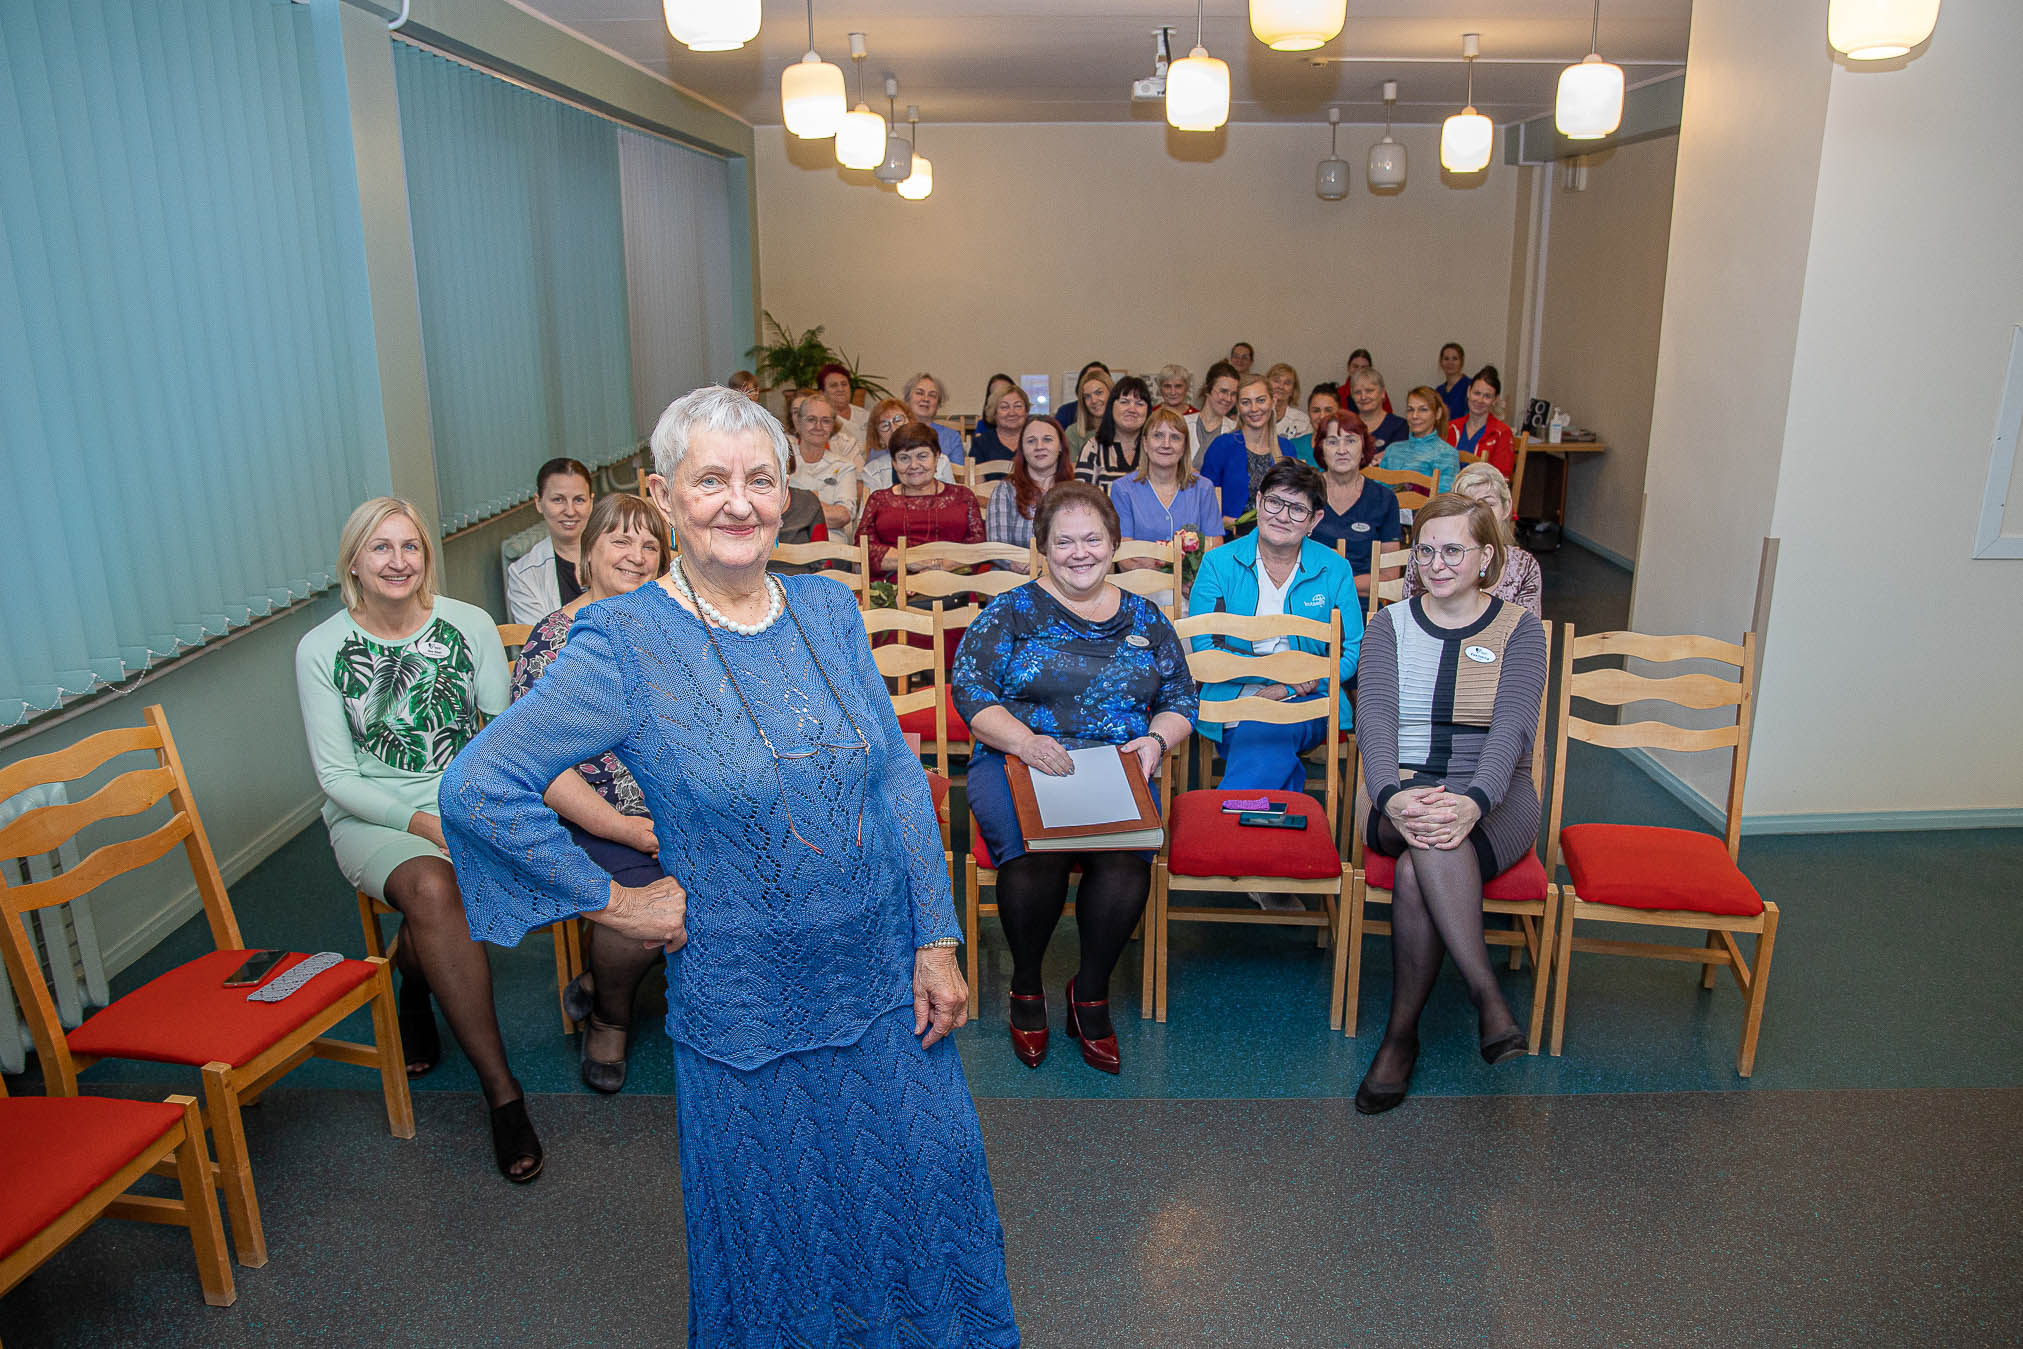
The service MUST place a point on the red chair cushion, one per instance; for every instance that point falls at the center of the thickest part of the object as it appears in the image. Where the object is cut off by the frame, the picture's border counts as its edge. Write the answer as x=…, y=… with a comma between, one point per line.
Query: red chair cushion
x=1206, y=842
x=977, y=849
x=1521, y=882
x=941, y=787
x=1642, y=867
x=921, y=722
x=55, y=1150
x=189, y=1016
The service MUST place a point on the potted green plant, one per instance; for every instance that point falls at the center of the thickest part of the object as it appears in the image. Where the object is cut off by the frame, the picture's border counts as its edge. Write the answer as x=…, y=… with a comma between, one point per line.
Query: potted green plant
x=789, y=361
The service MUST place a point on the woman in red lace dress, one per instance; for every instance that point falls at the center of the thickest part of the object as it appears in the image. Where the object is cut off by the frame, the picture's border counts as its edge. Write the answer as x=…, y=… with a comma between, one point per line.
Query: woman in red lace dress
x=917, y=507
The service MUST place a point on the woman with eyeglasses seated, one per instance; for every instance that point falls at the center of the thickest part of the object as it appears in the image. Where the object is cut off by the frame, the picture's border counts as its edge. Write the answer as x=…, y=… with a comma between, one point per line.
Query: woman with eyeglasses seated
x=1278, y=569
x=1521, y=583
x=1446, y=708
x=1357, y=512
x=888, y=416
x=1478, y=430
x=821, y=468
x=1066, y=662
x=1239, y=459
x=1426, y=449
x=918, y=507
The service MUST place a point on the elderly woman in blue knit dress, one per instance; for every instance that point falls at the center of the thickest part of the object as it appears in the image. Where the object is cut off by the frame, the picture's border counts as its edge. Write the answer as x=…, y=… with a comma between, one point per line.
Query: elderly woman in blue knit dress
x=833, y=1180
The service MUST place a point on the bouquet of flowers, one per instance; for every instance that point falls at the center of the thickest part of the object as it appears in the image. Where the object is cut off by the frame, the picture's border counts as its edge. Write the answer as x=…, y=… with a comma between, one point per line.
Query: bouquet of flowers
x=1191, y=545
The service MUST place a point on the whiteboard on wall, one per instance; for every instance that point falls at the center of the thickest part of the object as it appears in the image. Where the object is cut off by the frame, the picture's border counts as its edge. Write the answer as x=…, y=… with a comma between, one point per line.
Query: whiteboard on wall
x=2000, y=533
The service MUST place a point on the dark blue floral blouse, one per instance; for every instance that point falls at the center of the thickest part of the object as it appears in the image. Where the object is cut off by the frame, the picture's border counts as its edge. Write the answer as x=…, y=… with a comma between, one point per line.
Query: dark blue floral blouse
x=1082, y=683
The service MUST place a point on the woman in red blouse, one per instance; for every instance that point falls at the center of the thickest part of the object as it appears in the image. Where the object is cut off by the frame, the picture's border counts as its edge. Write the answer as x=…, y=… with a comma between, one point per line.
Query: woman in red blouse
x=917, y=507
x=1481, y=431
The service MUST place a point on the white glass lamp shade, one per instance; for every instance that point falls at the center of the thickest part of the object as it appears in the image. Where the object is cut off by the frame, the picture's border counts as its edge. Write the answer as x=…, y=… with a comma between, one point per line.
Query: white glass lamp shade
x=1331, y=179
x=1387, y=164
x=811, y=98
x=1590, y=103
x=1465, y=141
x=1197, y=92
x=860, y=140
x=712, y=25
x=1297, y=25
x=897, y=165
x=1876, y=30
x=920, y=182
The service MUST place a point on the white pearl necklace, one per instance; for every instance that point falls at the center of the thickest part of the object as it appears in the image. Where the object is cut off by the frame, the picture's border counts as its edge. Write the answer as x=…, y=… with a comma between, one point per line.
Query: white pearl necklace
x=775, y=592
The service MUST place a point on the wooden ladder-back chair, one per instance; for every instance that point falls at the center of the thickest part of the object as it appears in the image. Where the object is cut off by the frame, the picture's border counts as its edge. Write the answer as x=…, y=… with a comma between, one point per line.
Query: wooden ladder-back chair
x=1165, y=579
x=571, y=948
x=847, y=564
x=982, y=478
x=1649, y=876
x=1468, y=457
x=67, y=1161
x=903, y=663
x=1383, y=592
x=1413, y=489
x=978, y=581
x=185, y=1016
x=1523, y=890
x=1207, y=850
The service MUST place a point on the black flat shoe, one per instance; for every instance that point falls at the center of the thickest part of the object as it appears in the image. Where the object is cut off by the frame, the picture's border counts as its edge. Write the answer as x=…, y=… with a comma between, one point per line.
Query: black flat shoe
x=514, y=1141
x=578, y=998
x=1504, y=1048
x=420, y=1041
x=605, y=1075
x=1374, y=1098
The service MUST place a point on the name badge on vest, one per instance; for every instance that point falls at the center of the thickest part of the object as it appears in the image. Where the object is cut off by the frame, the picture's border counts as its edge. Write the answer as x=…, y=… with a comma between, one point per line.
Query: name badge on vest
x=430, y=647
x=1360, y=527
x=1481, y=655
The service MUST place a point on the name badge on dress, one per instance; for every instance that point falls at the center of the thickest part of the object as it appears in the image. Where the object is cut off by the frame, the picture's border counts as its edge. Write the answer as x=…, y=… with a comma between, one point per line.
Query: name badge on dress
x=1136, y=640
x=1481, y=655
x=1360, y=527
x=430, y=647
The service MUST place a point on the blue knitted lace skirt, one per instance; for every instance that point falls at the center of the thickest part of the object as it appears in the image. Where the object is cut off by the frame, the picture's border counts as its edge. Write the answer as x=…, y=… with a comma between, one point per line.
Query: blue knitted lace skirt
x=838, y=1196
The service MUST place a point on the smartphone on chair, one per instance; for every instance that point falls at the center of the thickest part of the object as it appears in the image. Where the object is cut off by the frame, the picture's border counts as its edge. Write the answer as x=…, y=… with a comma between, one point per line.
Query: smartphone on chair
x=259, y=964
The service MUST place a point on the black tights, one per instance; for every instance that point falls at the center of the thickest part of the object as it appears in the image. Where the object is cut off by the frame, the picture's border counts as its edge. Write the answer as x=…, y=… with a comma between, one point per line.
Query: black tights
x=1031, y=892
x=1436, y=910
x=617, y=965
x=438, y=955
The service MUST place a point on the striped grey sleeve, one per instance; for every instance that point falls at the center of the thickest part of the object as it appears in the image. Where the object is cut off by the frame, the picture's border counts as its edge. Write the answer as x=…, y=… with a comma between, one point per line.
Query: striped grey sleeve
x=1377, y=709
x=1514, y=720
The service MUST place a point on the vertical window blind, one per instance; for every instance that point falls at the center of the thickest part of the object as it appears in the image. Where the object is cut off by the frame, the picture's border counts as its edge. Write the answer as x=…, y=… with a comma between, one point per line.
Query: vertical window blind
x=188, y=392
x=679, y=270
x=519, y=245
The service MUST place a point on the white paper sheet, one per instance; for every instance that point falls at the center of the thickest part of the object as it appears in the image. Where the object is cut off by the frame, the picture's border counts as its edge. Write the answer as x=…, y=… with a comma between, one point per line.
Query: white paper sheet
x=1097, y=792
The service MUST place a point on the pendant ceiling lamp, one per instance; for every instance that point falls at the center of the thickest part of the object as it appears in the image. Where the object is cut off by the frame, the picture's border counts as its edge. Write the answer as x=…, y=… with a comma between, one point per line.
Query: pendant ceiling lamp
x=712, y=25
x=898, y=162
x=1467, y=137
x=860, y=136
x=920, y=182
x=1876, y=30
x=1197, y=87
x=1590, y=103
x=1386, y=169
x=811, y=92
x=1297, y=25
x=1331, y=179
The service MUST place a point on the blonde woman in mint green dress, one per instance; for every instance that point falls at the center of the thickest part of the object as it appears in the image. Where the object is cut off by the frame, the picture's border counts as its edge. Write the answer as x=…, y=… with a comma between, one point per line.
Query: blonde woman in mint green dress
x=392, y=689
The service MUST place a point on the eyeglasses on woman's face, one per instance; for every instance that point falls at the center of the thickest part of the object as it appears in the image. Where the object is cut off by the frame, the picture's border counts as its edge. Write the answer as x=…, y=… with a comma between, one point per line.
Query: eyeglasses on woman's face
x=1449, y=555
x=1295, y=511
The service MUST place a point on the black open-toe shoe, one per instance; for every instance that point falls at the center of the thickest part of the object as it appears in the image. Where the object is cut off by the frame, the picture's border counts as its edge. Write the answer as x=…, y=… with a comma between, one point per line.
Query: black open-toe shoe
x=420, y=1041
x=514, y=1141
x=605, y=1075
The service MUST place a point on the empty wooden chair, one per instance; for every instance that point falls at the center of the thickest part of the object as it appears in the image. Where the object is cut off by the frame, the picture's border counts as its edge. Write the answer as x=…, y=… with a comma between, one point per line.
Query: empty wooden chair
x=844, y=563
x=1413, y=489
x=1650, y=876
x=185, y=1016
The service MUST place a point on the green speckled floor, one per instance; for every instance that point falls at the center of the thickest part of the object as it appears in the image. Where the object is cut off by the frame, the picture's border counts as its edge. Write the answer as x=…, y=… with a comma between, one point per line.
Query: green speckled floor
x=1860, y=1188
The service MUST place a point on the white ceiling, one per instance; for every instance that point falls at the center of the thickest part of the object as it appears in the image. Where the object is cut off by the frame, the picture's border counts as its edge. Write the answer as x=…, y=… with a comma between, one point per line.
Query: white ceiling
x=1074, y=60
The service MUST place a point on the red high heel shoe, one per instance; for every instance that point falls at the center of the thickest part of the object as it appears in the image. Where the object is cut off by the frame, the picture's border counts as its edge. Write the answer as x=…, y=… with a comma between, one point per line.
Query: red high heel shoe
x=1030, y=1045
x=1099, y=1052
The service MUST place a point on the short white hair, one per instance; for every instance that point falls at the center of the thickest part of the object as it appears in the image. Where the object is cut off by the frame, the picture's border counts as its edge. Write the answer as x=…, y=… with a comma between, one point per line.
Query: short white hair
x=1482, y=473
x=1175, y=371
x=906, y=389
x=712, y=408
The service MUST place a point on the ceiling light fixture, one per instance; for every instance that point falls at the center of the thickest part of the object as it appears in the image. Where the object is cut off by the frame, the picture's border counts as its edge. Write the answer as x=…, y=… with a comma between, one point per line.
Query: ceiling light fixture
x=1297, y=25
x=1876, y=30
x=1386, y=169
x=1590, y=103
x=860, y=137
x=920, y=182
x=1331, y=179
x=812, y=102
x=1197, y=87
x=898, y=161
x=712, y=25
x=1467, y=137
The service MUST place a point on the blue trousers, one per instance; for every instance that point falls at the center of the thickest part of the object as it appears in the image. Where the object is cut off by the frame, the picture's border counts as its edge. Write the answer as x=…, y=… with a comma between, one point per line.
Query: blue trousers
x=1259, y=755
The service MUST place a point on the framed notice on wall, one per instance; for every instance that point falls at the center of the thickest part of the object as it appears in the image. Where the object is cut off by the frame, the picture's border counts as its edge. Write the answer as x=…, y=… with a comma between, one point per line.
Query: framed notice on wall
x=2000, y=532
